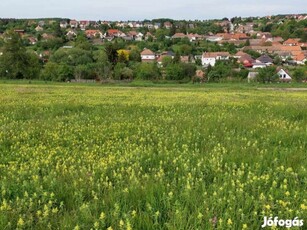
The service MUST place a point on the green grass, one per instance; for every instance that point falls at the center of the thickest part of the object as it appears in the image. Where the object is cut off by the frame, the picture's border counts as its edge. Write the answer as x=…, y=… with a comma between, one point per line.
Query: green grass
x=156, y=157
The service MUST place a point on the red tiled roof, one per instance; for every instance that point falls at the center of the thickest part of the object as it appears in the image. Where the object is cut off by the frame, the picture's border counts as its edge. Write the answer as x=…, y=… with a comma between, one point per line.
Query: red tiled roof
x=290, y=41
x=291, y=48
x=113, y=31
x=90, y=32
x=300, y=57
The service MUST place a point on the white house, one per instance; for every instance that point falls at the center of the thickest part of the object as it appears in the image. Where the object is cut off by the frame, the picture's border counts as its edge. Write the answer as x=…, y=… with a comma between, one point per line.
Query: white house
x=214, y=38
x=71, y=34
x=210, y=58
x=147, y=55
x=139, y=37
x=284, y=75
x=63, y=24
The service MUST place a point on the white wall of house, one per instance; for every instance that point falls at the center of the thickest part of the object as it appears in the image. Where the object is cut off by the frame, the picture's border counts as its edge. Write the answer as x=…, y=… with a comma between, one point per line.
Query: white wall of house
x=148, y=57
x=212, y=60
x=283, y=75
x=259, y=65
x=301, y=62
x=208, y=61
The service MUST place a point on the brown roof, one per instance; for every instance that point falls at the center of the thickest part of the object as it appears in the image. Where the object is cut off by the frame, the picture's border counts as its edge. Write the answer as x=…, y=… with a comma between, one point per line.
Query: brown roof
x=147, y=52
x=133, y=33
x=179, y=35
x=291, y=48
x=215, y=54
x=184, y=59
x=299, y=57
x=290, y=41
x=240, y=53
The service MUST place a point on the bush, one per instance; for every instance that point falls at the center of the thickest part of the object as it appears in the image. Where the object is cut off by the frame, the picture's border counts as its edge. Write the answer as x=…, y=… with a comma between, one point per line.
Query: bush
x=148, y=71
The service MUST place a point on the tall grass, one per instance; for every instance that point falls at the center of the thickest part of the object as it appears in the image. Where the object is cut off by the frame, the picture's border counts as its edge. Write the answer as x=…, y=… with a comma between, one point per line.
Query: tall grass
x=150, y=158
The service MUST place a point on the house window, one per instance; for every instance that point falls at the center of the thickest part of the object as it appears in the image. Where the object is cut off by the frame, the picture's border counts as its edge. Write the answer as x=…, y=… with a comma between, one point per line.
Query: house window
x=284, y=75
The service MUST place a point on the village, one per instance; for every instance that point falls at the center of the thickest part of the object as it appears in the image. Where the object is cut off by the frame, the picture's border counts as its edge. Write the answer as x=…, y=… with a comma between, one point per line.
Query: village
x=250, y=44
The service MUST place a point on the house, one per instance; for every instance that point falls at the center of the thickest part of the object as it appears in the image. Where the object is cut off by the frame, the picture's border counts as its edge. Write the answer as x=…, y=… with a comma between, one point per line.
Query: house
x=149, y=25
x=163, y=55
x=291, y=42
x=264, y=35
x=148, y=56
x=63, y=24
x=32, y=40
x=84, y=24
x=139, y=37
x=93, y=34
x=252, y=76
x=214, y=38
x=73, y=24
x=157, y=25
x=245, y=59
x=185, y=59
x=46, y=36
x=168, y=25
x=194, y=37
x=115, y=33
x=257, y=65
x=210, y=58
x=148, y=35
x=284, y=76
x=300, y=59
x=71, y=34
x=20, y=32
x=284, y=55
x=39, y=28
x=41, y=23
x=265, y=59
x=248, y=28
x=179, y=36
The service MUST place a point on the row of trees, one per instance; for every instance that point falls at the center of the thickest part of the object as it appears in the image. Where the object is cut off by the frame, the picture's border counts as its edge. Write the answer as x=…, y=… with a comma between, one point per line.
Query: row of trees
x=82, y=62
x=109, y=62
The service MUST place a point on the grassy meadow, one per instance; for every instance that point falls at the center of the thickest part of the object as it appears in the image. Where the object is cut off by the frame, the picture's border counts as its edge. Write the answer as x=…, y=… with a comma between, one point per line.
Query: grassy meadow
x=94, y=157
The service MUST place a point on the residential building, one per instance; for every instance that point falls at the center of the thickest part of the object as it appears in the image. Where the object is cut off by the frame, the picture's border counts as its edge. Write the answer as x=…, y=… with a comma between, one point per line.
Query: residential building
x=210, y=58
x=148, y=56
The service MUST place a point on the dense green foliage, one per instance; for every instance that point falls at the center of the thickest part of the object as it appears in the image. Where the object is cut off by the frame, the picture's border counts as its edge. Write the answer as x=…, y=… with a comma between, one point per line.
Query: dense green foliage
x=82, y=157
x=16, y=62
x=46, y=51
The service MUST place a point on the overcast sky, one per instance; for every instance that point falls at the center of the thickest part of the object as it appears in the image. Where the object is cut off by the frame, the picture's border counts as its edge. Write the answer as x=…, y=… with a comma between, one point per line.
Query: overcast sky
x=139, y=10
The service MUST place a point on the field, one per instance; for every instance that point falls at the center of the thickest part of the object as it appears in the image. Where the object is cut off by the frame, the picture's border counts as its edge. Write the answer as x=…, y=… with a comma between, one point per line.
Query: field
x=82, y=157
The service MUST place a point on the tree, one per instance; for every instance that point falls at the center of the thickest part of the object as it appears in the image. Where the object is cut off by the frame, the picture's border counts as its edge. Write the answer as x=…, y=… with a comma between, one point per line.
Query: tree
x=267, y=74
x=148, y=71
x=111, y=51
x=122, y=72
x=123, y=56
x=83, y=43
x=84, y=72
x=72, y=57
x=16, y=62
x=174, y=71
x=57, y=72
x=299, y=74
x=135, y=55
x=176, y=58
x=166, y=60
x=103, y=67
